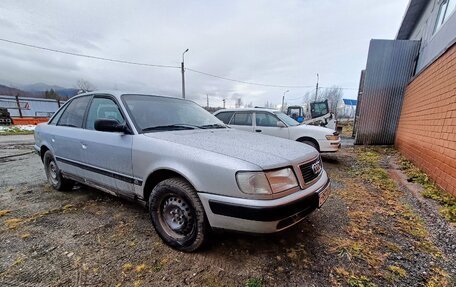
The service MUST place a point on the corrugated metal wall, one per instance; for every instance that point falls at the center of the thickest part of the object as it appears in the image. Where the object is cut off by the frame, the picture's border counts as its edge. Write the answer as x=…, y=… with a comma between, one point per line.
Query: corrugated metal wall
x=390, y=65
x=360, y=98
x=30, y=107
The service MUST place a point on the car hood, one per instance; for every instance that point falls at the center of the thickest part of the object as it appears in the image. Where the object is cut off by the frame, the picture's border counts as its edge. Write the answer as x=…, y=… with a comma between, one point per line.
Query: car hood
x=264, y=151
x=317, y=129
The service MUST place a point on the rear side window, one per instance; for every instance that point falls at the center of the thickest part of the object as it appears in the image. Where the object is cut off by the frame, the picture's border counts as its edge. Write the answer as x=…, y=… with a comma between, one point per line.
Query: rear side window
x=225, y=117
x=73, y=116
x=103, y=108
x=242, y=119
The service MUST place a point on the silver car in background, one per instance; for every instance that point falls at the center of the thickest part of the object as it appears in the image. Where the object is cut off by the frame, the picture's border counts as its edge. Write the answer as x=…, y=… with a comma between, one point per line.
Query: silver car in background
x=190, y=170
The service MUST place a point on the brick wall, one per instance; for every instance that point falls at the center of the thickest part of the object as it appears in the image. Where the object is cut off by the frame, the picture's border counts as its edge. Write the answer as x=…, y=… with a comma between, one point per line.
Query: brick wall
x=427, y=127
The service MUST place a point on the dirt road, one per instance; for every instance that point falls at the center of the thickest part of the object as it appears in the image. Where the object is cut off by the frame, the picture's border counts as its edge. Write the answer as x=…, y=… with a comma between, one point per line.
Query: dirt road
x=371, y=232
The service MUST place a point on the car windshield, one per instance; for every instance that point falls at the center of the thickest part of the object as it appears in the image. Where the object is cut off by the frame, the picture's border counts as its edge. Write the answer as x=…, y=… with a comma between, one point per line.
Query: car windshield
x=154, y=114
x=286, y=119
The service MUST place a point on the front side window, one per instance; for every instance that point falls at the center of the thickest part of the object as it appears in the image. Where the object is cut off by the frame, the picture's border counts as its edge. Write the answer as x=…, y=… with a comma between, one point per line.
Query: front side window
x=156, y=114
x=266, y=120
x=73, y=115
x=242, y=119
x=225, y=116
x=445, y=10
x=57, y=116
x=286, y=119
x=103, y=108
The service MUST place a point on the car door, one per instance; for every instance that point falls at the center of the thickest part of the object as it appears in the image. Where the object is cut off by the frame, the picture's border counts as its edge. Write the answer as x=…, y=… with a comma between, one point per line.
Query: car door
x=108, y=154
x=268, y=124
x=66, y=136
x=242, y=121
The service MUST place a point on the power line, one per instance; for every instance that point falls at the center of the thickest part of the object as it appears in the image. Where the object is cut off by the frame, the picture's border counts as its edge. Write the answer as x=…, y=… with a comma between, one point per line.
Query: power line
x=245, y=82
x=159, y=66
x=88, y=56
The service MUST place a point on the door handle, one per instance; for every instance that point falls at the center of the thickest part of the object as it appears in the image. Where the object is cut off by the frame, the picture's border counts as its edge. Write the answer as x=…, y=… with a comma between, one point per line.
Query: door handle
x=258, y=131
x=83, y=146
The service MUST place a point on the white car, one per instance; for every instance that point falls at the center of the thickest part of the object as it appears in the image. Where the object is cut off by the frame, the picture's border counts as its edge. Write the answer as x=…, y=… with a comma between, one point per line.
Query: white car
x=275, y=123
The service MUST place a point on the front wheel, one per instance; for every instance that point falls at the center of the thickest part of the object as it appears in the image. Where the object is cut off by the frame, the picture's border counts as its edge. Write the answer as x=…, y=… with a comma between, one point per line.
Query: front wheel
x=178, y=215
x=311, y=143
x=54, y=175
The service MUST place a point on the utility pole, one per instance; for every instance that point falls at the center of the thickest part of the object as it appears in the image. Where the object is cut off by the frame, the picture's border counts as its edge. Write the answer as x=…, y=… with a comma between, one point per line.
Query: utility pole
x=207, y=99
x=223, y=103
x=283, y=99
x=183, y=74
x=316, y=89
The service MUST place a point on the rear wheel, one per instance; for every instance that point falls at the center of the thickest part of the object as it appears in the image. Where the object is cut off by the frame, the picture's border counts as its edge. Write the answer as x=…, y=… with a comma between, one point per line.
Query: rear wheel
x=54, y=175
x=178, y=215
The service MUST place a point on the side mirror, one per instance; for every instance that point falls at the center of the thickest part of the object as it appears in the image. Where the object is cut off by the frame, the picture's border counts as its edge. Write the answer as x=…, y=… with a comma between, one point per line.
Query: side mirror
x=281, y=125
x=109, y=125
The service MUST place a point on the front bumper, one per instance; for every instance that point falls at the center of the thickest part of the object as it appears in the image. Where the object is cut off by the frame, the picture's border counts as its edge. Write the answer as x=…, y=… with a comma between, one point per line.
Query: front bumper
x=329, y=146
x=263, y=216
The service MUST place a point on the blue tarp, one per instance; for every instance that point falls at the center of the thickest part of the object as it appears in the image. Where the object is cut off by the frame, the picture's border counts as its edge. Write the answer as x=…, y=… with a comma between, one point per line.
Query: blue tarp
x=350, y=102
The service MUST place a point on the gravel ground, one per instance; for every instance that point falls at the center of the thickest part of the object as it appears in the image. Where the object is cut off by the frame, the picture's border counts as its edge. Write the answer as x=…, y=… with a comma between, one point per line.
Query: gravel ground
x=363, y=236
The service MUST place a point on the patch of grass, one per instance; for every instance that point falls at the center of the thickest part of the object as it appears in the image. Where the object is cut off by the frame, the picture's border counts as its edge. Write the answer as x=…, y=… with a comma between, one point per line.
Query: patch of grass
x=393, y=247
x=347, y=128
x=157, y=267
x=430, y=190
x=439, y=278
x=15, y=131
x=361, y=281
x=13, y=222
x=211, y=280
x=397, y=270
x=140, y=268
x=127, y=267
x=254, y=282
x=25, y=235
x=4, y=212
x=341, y=271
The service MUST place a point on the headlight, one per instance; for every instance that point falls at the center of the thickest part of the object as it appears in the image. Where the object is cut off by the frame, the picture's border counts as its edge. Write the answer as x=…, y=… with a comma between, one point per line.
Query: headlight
x=282, y=179
x=266, y=182
x=332, y=138
x=253, y=182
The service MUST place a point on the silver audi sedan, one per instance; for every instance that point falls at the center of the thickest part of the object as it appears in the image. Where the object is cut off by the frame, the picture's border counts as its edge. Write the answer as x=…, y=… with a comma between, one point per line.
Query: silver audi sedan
x=191, y=171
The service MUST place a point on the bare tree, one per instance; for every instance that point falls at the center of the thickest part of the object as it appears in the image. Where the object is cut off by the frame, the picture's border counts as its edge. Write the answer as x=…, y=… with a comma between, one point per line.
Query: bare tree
x=238, y=102
x=84, y=86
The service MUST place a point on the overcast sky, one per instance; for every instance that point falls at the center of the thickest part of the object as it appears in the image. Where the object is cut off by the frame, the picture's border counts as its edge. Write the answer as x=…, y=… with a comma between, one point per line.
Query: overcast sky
x=271, y=42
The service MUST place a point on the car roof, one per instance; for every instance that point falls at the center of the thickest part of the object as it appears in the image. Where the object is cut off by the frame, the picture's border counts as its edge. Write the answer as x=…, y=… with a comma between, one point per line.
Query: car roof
x=118, y=94
x=248, y=110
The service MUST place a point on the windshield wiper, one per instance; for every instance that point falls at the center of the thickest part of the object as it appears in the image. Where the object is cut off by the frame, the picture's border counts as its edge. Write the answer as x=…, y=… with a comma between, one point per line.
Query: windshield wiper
x=213, y=126
x=170, y=127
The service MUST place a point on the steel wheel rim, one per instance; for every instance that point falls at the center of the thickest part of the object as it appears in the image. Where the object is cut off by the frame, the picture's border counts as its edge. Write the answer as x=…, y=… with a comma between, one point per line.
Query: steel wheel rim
x=176, y=216
x=52, y=173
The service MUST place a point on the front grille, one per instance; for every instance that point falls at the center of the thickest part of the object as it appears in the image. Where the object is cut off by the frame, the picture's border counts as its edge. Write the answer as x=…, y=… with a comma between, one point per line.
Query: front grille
x=307, y=172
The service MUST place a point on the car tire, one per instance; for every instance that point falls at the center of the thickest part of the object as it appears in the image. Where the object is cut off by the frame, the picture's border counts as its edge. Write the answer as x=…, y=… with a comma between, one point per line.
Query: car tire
x=178, y=215
x=312, y=144
x=53, y=174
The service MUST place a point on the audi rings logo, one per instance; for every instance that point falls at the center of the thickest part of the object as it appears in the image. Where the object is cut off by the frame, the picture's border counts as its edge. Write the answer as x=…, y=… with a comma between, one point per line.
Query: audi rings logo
x=316, y=167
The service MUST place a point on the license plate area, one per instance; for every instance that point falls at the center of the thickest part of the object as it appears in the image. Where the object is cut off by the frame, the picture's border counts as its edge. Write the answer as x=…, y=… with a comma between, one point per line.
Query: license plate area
x=323, y=196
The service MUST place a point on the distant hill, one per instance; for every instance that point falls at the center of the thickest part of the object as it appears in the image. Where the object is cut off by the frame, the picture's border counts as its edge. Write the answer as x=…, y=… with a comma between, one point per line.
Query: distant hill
x=39, y=87
x=5, y=90
x=37, y=90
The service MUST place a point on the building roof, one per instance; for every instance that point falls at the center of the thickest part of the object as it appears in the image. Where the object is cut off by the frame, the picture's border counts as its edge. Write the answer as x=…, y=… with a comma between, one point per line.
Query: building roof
x=350, y=102
x=412, y=15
